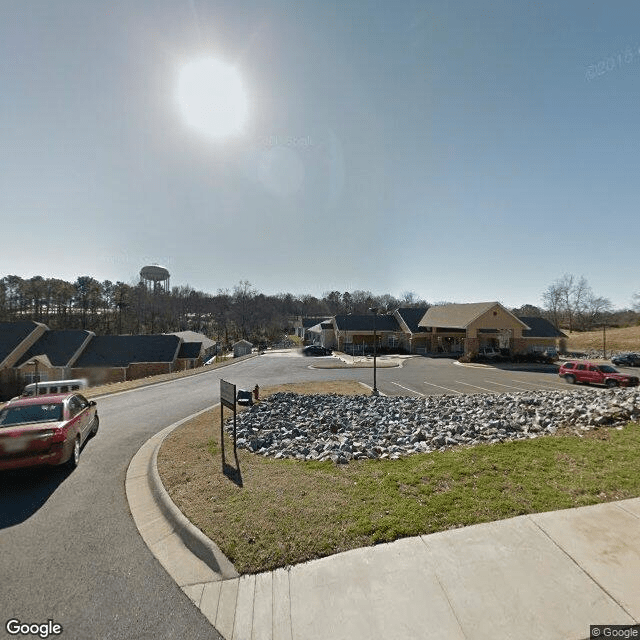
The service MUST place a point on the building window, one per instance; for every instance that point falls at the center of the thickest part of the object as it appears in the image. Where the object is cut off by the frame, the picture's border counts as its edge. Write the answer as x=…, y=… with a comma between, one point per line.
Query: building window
x=392, y=341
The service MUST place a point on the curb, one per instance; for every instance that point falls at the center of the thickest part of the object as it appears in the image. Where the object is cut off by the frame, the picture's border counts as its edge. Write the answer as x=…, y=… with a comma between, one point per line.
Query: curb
x=168, y=534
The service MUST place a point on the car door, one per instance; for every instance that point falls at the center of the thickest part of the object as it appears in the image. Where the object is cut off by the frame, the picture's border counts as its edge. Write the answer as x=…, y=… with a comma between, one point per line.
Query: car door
x=78, y=417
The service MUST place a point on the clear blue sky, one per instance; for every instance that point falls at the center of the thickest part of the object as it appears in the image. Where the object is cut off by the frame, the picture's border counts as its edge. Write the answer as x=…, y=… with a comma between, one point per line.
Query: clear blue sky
x=463, y=150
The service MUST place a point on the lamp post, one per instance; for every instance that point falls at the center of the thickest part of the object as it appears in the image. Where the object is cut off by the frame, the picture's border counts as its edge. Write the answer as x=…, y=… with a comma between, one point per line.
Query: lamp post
x=375, y=310
x=34, y=362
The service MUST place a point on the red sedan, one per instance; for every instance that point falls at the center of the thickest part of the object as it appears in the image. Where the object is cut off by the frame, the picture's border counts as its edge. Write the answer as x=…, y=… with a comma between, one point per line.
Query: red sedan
x=46, y=430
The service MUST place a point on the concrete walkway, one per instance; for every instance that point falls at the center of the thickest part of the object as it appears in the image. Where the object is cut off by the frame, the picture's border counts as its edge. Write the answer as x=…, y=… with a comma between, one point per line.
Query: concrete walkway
x=544, y=576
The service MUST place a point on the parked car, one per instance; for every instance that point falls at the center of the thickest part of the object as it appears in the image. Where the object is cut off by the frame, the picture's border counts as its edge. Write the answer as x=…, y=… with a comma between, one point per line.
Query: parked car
x=46, y=430
x=489, y=353
x=592, y=373
x=244, y=397
x=627, y=359
x=316, y=350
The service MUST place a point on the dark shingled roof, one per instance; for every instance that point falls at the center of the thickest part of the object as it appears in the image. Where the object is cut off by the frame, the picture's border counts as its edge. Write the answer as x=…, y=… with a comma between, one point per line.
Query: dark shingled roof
x=540, y=328
x=58, y=346
x=411, y=317
x=365, y=323
x=190, y=350
x=12, y=334
x=121, y=351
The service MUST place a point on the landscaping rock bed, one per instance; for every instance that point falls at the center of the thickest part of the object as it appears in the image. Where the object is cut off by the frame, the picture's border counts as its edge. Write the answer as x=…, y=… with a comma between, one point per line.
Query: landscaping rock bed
x=343, y=428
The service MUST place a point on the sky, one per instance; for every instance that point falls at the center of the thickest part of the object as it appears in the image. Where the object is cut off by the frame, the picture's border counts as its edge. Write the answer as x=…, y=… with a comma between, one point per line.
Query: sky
x=465, y=151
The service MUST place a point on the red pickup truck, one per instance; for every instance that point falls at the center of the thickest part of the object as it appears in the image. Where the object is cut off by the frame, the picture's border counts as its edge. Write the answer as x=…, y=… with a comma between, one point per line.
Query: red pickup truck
x=591, y=373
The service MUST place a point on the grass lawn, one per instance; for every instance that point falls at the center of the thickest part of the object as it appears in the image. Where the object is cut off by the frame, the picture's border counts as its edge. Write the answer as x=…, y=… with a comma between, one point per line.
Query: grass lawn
x=285, y=511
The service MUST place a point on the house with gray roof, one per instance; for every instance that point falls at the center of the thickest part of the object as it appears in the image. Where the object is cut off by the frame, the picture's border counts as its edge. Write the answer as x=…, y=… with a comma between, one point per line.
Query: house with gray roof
x=16, y=338
x=416, y=339
x=55, y=352
x=355, y=333
x=541, y=334
x=118, y=358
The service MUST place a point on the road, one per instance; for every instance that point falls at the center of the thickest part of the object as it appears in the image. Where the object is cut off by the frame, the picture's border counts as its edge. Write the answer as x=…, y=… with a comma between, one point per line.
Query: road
x=70, y=550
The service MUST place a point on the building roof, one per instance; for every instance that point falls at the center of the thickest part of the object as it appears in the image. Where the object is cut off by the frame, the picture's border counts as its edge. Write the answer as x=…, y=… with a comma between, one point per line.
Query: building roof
x=364, y=322
x=242, y=342
x=58, y=346
x=459, y=316
x=411, y=316
x=194, y=336
x=12, y=334
x=540, y=328
x=312, y=322
x=121, y=351
x=190, y=350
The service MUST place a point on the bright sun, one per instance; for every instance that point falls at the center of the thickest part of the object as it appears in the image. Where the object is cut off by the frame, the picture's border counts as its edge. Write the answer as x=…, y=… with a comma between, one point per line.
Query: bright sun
x=212, y=98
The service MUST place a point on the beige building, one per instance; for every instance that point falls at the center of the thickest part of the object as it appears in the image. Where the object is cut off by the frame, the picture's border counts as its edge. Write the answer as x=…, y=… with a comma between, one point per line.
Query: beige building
x=467, y=328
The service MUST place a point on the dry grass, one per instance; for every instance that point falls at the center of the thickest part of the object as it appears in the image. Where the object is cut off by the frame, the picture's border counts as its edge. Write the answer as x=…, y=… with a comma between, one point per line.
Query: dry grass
x=622, y=339
x=279, y=512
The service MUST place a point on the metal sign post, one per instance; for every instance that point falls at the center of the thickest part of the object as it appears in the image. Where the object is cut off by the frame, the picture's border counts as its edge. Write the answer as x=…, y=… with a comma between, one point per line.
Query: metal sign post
x=227, y=399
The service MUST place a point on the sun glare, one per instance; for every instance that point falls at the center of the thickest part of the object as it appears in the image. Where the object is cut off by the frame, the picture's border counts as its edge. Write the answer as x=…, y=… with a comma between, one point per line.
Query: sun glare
x=212, y=98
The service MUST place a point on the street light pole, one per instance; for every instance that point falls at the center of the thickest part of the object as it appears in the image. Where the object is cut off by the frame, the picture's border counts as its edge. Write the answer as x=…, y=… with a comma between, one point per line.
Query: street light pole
x=374, y=310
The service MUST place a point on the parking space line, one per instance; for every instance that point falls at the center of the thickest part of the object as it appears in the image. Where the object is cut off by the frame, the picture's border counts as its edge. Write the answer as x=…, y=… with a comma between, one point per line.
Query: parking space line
x=445, y=388
x=509, y=386
x=554, y=385
x=477, y=387
x=407, y=388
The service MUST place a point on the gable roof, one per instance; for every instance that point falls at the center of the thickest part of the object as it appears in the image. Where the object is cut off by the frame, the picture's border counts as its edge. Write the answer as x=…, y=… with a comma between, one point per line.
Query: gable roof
x=244, y=342
x=58, y=346
x=12, y=334
x=460, y=316
x=364, y=322
x=312, y=322
x=121, y=351
x=540, y=328
x=194, y=336
x=190, y=350
x=411, y=316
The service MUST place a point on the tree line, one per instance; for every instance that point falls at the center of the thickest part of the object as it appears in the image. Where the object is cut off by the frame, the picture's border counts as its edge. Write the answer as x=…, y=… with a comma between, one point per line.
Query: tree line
x=244, y=312
x=226, y=316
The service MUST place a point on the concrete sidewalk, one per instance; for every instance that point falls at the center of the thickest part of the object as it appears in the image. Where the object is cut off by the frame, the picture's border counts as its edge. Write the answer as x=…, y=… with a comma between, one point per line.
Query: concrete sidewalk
x=544, y=576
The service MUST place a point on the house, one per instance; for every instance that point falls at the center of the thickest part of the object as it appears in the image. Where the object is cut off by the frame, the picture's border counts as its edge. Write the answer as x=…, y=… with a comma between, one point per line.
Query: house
x=190, y=356
x=302, y=327
x=15, y=339
x=322, y=334
x=354, y=333
x=467, y=328
x=118, y=358
x=55, y=352
x=541, y=334
x=241, y=348
x=416, y=339
x=209, y=347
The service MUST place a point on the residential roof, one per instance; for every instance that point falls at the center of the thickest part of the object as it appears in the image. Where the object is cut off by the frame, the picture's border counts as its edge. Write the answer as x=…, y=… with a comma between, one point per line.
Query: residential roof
x=190, y=350
x=411, y=316
x=194, y=336
x=12, y=334
x=540, y=328
x=245, y=342
x=458, y=316
x=364, y=322
x=58, y=346
x=121, y=351
x=311, y=322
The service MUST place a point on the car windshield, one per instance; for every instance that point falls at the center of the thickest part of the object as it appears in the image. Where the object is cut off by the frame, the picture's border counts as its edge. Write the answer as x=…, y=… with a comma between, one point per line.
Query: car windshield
x=51, y=412
x=605, y=368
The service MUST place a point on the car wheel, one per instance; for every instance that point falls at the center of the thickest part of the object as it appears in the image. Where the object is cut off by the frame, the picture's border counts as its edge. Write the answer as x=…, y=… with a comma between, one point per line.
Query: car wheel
x=611, y=383
x=94, y=431
x=72, y=462
x=570, y=379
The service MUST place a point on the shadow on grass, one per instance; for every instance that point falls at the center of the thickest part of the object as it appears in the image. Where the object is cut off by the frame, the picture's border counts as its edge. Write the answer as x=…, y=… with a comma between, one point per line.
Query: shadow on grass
x=233, y=473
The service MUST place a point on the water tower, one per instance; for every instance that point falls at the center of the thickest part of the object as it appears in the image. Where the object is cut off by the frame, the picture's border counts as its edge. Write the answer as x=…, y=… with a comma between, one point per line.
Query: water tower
x=155, y=278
